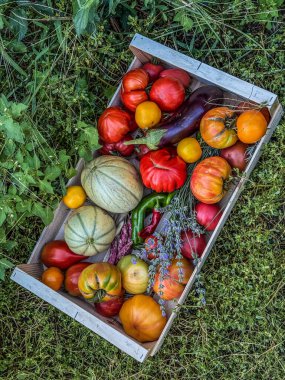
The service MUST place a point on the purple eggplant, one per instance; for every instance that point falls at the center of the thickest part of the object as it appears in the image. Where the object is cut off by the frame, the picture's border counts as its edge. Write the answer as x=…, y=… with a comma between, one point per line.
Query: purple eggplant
x=187, y=121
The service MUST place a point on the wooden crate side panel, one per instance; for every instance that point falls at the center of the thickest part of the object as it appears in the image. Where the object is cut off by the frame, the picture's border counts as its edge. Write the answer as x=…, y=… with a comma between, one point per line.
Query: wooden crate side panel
x=144, y=48
x=66, y=304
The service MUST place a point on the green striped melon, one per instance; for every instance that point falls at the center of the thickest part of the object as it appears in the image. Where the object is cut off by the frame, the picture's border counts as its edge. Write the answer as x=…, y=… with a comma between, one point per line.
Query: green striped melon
x=112, y=183
x=89, y=230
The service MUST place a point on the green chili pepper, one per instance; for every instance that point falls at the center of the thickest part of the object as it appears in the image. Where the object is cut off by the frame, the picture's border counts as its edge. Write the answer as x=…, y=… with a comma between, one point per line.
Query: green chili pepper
x=147, y=204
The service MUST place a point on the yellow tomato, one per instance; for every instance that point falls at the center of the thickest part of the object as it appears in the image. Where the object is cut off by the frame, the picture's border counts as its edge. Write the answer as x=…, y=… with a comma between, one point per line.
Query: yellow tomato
x=75, y=197
x=189, y=150
x=147, y=115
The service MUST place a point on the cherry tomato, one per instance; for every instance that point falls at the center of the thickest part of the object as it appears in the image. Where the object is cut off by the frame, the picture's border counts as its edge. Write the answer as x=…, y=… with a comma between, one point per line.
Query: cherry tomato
x=53, y=277
x=75, y=197
x=189, y=150
x=150, y=245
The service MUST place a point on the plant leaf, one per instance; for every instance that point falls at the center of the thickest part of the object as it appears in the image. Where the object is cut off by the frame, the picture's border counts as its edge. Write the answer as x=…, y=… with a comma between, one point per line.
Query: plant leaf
x=12, y=129
x=81, y=20
x=46, y=186
x=52, y=172
x=19, y=22
x=45, y=213
x=4, y=265
x=2, y=216
x=17, y=109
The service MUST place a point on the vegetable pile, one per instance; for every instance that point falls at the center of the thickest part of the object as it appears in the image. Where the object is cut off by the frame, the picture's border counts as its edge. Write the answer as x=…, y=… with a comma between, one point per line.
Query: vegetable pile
x=163, y=152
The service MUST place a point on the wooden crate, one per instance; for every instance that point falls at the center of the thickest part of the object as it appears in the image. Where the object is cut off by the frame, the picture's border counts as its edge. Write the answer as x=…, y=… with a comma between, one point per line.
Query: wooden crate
x=28, y=275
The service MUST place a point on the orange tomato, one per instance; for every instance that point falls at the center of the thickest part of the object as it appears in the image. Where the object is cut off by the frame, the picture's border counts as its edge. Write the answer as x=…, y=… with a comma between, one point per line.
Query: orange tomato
x=141, y=318
x=172, y=284
x=147, y=115
x=251, y=126
x=207, y=181
x=53, y=277
x=213, y=128
x=75, y=197
x=189, y=150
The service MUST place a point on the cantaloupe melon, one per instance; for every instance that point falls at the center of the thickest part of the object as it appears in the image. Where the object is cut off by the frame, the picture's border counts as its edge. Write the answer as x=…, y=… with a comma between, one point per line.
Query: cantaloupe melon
x=112, y=183
x=89, y=230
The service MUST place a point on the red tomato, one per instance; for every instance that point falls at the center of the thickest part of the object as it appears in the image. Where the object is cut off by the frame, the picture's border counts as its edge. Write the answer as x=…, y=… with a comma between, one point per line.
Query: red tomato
x=208, y=216
x=114, y=124
x=162, y=170
x=110, y=308
x=133, y=98
x=168, y=93
x=141, y=150
x=150, y=245
x=136, y=79
x=57, y=254
x=133, y=88
x=152, y=70
x=236, y=155
x=119, y=147
x=71, y=278
x=179, y=74
x=192, y=244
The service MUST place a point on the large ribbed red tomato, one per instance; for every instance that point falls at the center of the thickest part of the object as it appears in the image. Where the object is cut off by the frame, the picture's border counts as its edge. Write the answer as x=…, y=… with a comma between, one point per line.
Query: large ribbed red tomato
x=168, y=93
x=162, y=170
x=114, y=124
x=207, y=181
x=133, y=88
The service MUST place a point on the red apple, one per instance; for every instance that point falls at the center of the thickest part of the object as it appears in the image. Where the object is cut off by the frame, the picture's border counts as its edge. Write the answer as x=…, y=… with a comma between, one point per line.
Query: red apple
x=110, y=308
x=208, y=216
x=192, y=245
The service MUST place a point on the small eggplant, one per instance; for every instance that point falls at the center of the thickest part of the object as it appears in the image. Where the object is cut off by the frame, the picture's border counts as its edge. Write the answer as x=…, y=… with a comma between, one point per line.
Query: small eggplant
x=191, y=112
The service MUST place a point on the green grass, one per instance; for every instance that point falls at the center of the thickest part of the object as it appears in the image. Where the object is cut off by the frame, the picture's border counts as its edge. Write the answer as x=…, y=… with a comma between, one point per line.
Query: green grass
x=240, y=333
